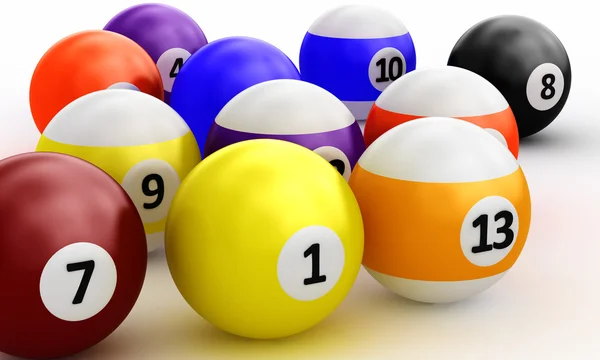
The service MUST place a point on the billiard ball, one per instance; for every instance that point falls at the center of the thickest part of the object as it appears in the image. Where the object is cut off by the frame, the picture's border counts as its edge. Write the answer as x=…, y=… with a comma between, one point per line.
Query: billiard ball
x=444, y=91
x=355, y=52
x=295, y=111
x=169, y=35
x=264, y=239
x=525, y=61
x=86, y=62
x=446, y=209
x=72, y=255
x=137, y=139
x=220, y=70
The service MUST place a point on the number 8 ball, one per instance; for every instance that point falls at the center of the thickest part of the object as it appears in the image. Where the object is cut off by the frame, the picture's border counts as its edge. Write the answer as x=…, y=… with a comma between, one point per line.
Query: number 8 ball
x=525, y=61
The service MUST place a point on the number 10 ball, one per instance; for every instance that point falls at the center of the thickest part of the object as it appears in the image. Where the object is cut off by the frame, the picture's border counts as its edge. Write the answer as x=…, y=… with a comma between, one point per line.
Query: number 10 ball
x=137, y=139
x=355, y=52
x=264, y=238
x=446, y=209
x=525, y=61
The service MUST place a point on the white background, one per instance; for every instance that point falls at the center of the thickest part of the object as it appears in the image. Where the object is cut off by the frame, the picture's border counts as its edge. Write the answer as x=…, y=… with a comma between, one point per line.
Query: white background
x=547, y=307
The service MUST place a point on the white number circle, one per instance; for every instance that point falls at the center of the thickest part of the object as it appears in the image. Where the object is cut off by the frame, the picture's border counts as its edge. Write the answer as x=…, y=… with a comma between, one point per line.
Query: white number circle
x=123, y=85
x=169, y=64
x=310, y=263
x=489, y=231
x=545, y=86
x=387, y=65
x=78, y=281
x=498, y=135
x=337, y=159
x=151, y=184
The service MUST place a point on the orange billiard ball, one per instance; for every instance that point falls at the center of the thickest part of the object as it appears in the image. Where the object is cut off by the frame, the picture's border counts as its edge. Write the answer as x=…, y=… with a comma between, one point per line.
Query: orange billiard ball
x=446, y=209
x=444, y=91
x=86, y=62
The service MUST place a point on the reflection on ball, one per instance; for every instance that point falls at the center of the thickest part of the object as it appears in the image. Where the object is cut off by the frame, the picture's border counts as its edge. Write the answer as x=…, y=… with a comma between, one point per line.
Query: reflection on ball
x=264, y=239
x=446, y=209
x=136, y=138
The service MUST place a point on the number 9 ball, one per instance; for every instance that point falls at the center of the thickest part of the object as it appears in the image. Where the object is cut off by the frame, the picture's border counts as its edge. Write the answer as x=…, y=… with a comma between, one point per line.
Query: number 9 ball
x=72, y=255
x=525, y=61
x=137, y=139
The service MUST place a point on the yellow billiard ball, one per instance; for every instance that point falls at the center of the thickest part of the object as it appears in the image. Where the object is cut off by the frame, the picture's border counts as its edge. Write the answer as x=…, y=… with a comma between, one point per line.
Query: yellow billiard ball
x=264, y=239
x=134, y=137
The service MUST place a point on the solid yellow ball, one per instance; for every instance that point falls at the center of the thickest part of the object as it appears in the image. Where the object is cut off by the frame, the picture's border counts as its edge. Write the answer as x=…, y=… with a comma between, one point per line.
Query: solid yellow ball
x=264, y=239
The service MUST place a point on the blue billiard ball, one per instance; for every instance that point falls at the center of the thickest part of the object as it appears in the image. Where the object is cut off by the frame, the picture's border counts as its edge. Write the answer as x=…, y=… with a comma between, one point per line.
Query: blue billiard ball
x=355, y=52
x=219, y=71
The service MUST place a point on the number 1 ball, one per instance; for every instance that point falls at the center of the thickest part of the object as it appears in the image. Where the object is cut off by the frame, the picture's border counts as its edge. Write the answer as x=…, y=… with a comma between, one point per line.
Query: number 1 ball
x=525, y=61
x=137, y=139
x=446, y=209
x=72, y=255
x=169, y=35
x=264, y=239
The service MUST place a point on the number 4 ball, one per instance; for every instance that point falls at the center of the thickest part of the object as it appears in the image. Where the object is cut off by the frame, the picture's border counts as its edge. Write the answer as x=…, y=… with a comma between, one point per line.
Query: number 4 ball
x=446, y=209
x=525, y=61
x=72, y=255
x=169, y=35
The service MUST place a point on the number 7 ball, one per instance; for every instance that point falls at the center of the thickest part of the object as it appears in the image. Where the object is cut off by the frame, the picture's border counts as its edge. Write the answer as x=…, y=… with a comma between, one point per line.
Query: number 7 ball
x=72, y=255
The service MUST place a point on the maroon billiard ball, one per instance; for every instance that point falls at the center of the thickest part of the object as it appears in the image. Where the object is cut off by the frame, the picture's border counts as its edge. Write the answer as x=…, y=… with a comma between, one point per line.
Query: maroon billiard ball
x=72, y=255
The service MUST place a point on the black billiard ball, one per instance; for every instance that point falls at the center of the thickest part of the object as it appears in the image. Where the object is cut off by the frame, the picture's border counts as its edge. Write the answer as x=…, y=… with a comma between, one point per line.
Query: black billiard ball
x=525, y=60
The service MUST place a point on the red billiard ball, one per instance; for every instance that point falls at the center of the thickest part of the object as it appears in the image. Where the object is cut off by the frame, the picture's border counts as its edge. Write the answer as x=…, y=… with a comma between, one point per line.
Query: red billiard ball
x=72, y=255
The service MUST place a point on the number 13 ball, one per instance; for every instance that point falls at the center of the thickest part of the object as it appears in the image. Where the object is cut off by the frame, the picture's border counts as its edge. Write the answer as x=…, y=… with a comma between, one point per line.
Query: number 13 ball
x=525, y=61
x=446, y=209
x=72, y=255
x=355, y=52
x=264, y=238
x=137, y=139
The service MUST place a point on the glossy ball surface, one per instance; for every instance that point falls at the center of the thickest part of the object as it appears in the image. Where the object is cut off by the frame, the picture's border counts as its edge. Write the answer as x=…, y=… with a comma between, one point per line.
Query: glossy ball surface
x=85, y=62
x=219, y=71
x=525, y=60
x=72, y=255
x=444, y=91
x=137, y=139
x=264, y=239
x=169, y=35
x=446, y=209
x=355, y=52
x=294, y=111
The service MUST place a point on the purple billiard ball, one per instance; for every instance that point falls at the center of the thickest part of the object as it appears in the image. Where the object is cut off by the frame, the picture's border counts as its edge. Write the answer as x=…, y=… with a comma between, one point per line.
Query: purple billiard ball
x=169, y=35
x=294, y=111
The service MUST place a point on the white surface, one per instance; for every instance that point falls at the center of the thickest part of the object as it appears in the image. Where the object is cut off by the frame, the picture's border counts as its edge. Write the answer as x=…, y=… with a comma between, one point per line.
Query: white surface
x=357, y=22
x=442, y=91
x=116, y=117
x=464, y=153
x=546, y=307
x=285, y=107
